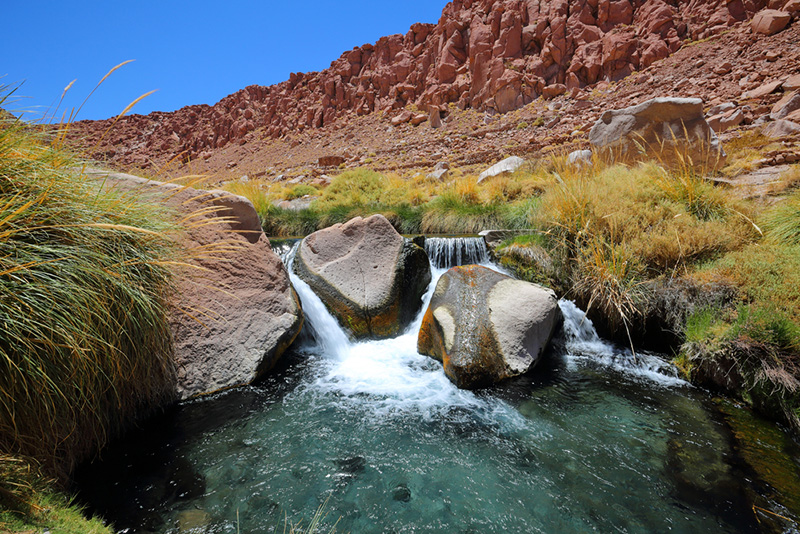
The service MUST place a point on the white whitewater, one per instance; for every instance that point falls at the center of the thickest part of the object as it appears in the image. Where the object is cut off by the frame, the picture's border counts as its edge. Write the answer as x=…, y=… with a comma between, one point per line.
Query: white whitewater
x=446, y=252
x=582, y=344
x=392, y=378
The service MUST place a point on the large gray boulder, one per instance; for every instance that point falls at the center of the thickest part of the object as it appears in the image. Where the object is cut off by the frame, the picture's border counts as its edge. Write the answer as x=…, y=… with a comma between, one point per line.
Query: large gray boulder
x=485, y=326
x=234, y=311
x=506, y=166
x=661, y=128
x=368, y=275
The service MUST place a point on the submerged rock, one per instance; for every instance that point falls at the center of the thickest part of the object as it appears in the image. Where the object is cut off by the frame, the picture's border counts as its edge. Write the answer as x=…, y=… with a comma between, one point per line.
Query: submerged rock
x=485, y=326
x=234, y=317
x=368, y=275
x=660, y=127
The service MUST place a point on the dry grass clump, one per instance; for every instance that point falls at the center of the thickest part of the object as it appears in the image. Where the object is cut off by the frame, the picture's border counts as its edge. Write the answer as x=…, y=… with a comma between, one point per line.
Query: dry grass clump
x=665, y=221
x=84, y=281
x=782, y=223
x=611, y=228
x=745, y=150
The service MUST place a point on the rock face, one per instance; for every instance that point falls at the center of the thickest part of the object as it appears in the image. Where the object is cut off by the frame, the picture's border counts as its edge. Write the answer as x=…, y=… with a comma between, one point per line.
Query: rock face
x=489, y=55
x=770, y=21
x=780, y=128
x=660, y=121
x=485, y=326
x=234, y=317
x=368, y=275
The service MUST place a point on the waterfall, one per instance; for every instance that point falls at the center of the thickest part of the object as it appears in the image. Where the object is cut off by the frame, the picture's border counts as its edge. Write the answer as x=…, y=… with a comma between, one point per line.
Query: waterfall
x=387, y=376
x=329, y=337
x=446, y=252
x=395, y=377
x=583, y=345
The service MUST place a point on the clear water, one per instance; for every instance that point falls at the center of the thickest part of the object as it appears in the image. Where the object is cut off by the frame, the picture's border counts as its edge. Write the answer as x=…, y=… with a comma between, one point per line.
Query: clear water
x=595, y=440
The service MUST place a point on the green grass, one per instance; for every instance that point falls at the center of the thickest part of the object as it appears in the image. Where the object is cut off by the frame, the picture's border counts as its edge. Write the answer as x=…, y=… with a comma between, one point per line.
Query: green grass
x=411, y=206
x=300, y=191
x=29, y=502
x=782, y=223
x=85, y=278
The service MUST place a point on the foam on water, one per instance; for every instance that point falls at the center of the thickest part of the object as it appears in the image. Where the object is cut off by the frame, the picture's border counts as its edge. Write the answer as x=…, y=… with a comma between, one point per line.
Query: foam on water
x=583, y=345
x=388, y=376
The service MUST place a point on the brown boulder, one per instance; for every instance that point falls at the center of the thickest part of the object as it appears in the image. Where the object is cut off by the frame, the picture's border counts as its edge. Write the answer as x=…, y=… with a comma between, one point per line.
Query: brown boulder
x=656, y=128
x=770, y=21
x=402, y=118
x=418, y=119
x=552, y=91
x=780, y=128
x=331, y=161
x=763, y=90
x=236, y=312
x=485, y=326
x=724, y=121
x=785, y=106
x=368, y=275
x=792, y=83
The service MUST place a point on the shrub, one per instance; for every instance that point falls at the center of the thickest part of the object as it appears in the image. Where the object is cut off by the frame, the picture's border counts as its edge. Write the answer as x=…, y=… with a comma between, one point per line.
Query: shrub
x=782, y=223
x=299, y=191
x=84, y=282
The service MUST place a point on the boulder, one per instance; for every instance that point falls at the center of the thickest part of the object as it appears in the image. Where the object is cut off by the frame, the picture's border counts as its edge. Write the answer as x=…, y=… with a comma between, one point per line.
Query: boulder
x=780, y=128
x=435, y=117
x=723, y=121
x=438, y=174
x=331, y=161
x=402, y=118
x=792, y=83
x=580, y=157
x=656, y=126
x=235, y=311
x=485, y=326
x=506, y=166
x=552, y=91
x=770, y=21
x=763, y=90
x=785, y=106
x=368, y=275
x=418, y=119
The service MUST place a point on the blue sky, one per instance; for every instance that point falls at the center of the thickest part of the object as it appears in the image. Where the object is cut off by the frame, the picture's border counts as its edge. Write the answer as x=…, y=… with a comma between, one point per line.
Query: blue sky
x=193, y=53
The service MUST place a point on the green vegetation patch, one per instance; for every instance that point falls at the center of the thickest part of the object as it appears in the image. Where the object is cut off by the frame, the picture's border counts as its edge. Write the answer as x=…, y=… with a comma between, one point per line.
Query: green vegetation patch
x=85, y=276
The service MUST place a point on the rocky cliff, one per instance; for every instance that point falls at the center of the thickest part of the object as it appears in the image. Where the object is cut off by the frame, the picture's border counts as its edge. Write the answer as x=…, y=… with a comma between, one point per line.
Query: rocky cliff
x=489, y=55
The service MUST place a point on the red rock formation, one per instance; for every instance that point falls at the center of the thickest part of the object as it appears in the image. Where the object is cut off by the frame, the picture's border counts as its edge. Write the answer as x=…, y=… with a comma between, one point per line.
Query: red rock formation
x=490, y=55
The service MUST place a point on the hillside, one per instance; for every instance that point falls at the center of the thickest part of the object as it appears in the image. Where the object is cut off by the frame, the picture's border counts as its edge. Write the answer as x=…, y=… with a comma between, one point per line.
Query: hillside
x=505, y=77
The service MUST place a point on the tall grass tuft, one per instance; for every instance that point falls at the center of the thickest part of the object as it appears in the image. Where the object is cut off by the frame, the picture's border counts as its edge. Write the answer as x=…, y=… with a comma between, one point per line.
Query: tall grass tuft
x=782, y=223
x=84, y=283
x=613, y=227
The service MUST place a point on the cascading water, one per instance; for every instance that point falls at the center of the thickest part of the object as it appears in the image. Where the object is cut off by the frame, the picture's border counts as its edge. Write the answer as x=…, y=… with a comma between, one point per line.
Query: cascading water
x=376, y=433
x=396, y=378
x=582, y=344
x=446, y=252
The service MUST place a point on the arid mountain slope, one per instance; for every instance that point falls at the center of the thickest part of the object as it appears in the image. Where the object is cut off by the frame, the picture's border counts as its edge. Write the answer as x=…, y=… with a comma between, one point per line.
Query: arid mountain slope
x=483, y=59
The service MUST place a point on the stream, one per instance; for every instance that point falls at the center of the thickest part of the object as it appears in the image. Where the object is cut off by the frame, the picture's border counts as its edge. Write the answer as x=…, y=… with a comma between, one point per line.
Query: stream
x=595, y=439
